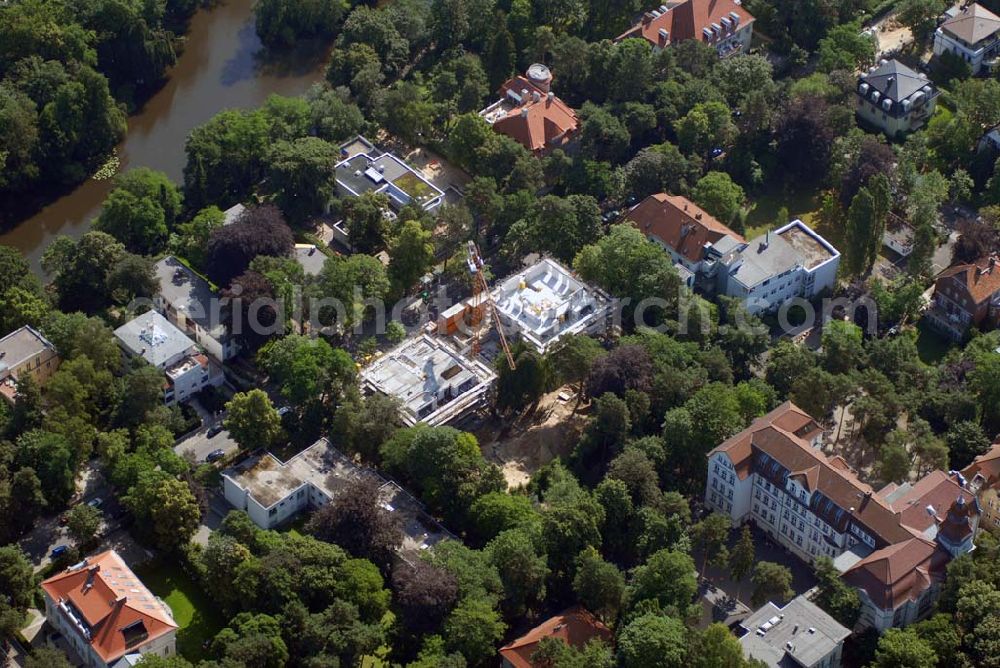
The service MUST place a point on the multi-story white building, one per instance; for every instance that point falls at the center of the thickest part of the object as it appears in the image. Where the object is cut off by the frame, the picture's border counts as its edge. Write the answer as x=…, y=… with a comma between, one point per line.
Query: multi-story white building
x=775, y=474
x=189, y=302
x=792, y=261
x=106, y=614
x=894, y=98
x=273, y=492
x=187, y=369
x=546, y=303
x=973, y=34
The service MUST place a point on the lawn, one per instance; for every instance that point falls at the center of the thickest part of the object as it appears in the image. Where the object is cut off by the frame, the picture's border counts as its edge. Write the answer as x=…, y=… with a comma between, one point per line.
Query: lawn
x=192, y=610
x=931, y=346
x=802, y=203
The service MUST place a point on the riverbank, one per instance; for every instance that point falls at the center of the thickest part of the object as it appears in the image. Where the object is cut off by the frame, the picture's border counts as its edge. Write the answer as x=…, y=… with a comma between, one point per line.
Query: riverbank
x=223, y=65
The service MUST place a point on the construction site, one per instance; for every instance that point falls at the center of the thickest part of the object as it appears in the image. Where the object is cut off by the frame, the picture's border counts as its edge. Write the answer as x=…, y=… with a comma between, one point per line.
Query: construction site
x=446, y=373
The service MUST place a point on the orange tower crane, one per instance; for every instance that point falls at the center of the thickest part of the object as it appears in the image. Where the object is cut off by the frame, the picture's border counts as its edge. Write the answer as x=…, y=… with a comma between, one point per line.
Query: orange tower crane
x=481, y=288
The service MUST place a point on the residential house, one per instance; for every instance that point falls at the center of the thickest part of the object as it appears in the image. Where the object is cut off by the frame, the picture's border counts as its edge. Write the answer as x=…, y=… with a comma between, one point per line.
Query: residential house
x=891, y=544
x=725, y=24
x=894, y=98
x=531, y=114
x=898, y=236
x=798, y=634
x=545, y=303
x=695, y=240
x=187, y=369
x=983, y=476
x=966, y=296
x=363, y=168
x=273, y=492
x=25, y=352
x=790, y=262
x=106, y=614
x=192, y=304
x=574, y=626
x=972, y=34
x=434, y=382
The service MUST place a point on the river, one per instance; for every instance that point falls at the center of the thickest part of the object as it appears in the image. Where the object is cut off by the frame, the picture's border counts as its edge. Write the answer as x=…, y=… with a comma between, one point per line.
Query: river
x=221, y=67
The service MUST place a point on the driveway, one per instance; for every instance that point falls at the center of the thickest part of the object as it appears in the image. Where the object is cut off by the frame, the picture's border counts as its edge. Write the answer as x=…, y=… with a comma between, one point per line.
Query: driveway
x=218, y=508
x=200, y=443
x=47, y=533
x=765, y=549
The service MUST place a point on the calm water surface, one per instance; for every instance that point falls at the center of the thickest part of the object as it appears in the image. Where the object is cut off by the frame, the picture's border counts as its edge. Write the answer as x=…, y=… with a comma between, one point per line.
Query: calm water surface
x=221, y=67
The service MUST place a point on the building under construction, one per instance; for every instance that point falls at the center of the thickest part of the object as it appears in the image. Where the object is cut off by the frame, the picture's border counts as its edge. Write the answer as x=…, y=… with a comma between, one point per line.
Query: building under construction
x=546, y=303
x=434, y=381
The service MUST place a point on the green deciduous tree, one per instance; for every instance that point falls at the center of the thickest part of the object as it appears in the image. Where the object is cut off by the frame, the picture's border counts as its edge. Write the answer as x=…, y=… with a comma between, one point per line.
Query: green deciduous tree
x=301, y=174
x=252, y=420
x=903, y=648
x=653, y=641
x=718, y=195
x=82, y=522
x=141, y=210
x=771, y=581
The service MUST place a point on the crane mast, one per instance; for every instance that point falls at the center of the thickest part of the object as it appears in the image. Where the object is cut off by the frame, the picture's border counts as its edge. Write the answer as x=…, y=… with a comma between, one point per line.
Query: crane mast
x=476, y=269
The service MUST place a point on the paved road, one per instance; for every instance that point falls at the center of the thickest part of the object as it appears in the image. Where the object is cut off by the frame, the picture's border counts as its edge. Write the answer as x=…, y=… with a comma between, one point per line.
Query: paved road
x=200, y=444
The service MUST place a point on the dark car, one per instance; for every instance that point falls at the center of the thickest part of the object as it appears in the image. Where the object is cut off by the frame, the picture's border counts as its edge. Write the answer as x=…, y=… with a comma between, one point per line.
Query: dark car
x=215, y=455
x=58, y=551
x=214, y=429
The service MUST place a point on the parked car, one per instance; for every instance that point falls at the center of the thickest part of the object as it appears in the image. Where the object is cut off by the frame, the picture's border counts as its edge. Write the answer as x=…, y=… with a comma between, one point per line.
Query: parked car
x=215, y=455
x=96, y=502
x=58, y=551
x=284, y=410
x=214, y=429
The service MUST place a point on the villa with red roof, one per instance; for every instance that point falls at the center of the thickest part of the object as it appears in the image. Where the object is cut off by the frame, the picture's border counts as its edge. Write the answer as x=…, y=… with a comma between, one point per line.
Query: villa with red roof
x=724, y=24
x=693, y=238
x=891, y=544
x=531, y=114
x=574, y=626
x=983, y=476
x=966, y=296
x=106, y=614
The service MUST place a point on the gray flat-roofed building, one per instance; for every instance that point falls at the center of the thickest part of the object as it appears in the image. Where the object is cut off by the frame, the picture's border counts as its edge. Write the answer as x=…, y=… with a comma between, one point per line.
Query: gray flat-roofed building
x=434, y=382
x=189, y=302
x=273, y=492
x=364, y=170
x=798, y=635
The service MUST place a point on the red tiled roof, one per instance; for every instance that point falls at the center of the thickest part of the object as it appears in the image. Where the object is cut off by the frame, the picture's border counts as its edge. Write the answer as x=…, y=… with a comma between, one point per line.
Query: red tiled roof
x=685, y=21
x=538, y=126
x=574, y=626
x=981, y=280
x=110, y=598
x=987, y=465
x=898, y=572
x=935, y=490
x=679, y=223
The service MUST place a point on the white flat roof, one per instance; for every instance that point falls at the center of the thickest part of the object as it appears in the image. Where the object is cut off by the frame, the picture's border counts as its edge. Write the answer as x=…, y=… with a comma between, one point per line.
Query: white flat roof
x=154, y=338
x=432, y=379
x=546, y=301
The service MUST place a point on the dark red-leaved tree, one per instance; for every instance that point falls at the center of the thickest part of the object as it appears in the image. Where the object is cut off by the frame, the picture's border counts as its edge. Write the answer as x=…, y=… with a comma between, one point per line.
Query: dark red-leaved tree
x=357, y=522
x=627, y=367
x=260, y=230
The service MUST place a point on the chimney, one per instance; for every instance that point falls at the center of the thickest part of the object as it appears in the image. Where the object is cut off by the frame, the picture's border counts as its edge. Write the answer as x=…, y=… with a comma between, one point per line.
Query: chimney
x=550, y=96
x=647, y=18
x=524, y=112
x=697, y=216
